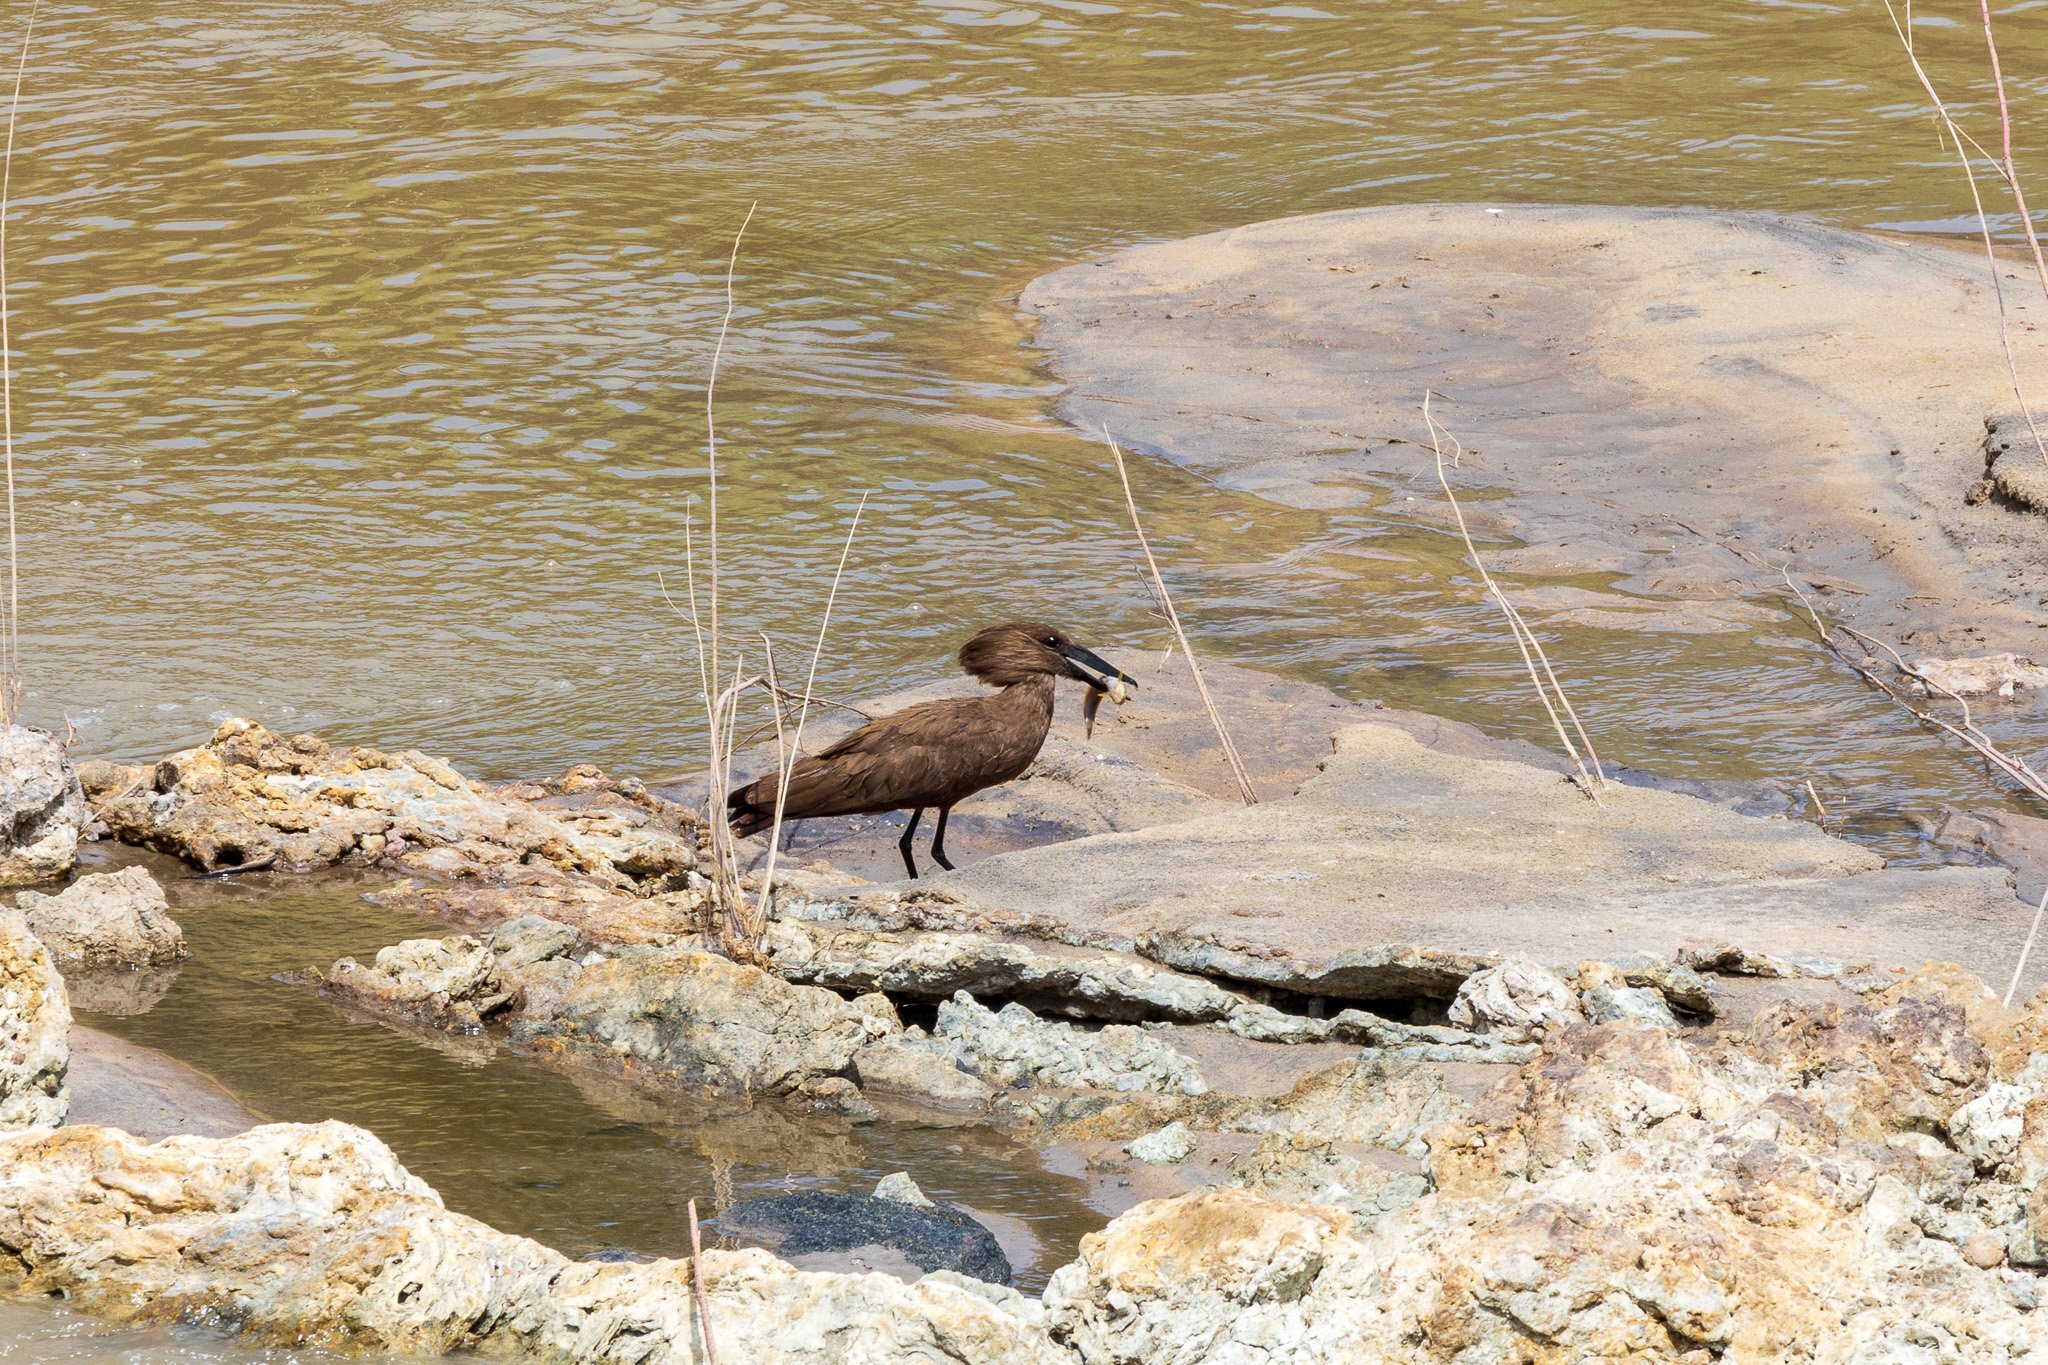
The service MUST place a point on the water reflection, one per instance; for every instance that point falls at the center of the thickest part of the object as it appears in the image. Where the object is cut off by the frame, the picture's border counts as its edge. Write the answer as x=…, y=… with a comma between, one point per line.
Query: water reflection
x=580, y=1165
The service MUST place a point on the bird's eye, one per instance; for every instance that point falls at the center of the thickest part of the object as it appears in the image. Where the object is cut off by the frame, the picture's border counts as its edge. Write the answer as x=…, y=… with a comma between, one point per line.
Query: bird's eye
x=1053, y=640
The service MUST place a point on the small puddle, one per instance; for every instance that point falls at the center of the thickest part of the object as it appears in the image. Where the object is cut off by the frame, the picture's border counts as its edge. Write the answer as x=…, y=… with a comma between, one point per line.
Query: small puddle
x=581, y=1165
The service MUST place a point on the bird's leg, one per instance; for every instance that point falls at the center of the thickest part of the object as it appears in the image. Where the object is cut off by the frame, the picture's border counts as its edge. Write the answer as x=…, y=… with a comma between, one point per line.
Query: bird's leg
x=789, y=834
x=909, y=862
x=939, y=839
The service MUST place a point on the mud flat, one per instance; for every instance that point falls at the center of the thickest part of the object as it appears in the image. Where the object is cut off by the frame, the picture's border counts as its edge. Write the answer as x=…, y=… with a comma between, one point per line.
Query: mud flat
x=1686, y=399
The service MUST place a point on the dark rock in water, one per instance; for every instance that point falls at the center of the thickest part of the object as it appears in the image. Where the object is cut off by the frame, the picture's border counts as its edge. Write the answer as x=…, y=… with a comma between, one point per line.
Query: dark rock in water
x=812, y=1222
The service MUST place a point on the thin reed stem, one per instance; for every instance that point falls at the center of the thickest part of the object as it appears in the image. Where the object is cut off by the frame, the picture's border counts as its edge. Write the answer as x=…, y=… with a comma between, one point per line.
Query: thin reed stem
x=1549, y=690
x=1245, y=789
x=786, y=761
x=1969, y=732
x=711, y=429
x=2020, y=967
x=10, y=654
x=1962, y=141
x=697, y=1288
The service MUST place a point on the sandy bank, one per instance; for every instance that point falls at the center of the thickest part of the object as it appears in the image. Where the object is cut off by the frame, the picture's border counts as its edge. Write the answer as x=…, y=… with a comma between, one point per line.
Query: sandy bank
x=1684, y=398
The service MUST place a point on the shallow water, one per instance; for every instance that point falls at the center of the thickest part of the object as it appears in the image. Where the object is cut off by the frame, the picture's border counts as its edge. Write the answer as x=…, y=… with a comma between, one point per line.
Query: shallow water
x=361, y=389
x=586, y=1168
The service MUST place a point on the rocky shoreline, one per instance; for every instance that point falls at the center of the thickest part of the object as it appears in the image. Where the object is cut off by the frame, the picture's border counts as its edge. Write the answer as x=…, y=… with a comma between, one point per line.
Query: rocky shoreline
x=1719, y=1110
x=1426, y=1057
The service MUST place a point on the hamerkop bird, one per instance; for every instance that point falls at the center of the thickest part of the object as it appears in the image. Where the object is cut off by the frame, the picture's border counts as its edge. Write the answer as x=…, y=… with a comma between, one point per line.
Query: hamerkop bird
x=939, y=752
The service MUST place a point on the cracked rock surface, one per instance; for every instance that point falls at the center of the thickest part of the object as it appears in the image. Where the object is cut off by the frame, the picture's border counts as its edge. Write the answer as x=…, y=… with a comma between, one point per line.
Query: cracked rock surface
x=314, y=1235
x=42, y=807
x=249, y=794
x=35, y=1030
x=106, y=919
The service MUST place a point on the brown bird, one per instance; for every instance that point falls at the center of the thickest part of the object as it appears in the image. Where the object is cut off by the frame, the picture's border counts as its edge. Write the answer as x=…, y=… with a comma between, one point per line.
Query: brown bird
x=938, y=752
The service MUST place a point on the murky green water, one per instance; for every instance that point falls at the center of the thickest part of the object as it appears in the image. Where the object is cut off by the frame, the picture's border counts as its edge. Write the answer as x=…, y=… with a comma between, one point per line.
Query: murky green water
x=363, y=348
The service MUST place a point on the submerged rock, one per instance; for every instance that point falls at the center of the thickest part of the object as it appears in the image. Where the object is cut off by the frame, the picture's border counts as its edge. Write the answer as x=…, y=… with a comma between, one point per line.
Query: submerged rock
x=814, y=1223
x=250, y=794
x=35, y=1030
x=107, y=919
x=1981, y=676
x=42, y=807
x=314, y=1235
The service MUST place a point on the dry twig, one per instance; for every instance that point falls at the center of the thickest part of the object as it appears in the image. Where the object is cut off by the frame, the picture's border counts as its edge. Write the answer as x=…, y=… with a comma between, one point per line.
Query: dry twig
x=10, y=648
x=786, y=759
x=1244, y=779
x=697, y=1287
x=1962, y=141
x=1592, y=777
x=1969, y=732
x=2020, y=967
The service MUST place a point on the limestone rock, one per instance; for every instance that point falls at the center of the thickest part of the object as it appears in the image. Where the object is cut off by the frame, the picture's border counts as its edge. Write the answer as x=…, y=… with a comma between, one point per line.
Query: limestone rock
x=1606, y=995
x=937, y=964
x=106, y=919
x=1414, y=1042
x=901, y=1189
x=1219, y=1275
x=1375, y=1100
x=1515, y=1000
x=35, y=1030
x=1012, y=1046
x=1731, y=960
x=42, y=807
x=678, y=1017
x=249, y=793
x=1981, y=676
x=1300, y=1168
x=837, y=1095
x=459, y=981
x=1682, y=987
x=1169, y=1146
x=1595, y=1089
x=448, y=980
x=920, y=1069
x=315, y=1236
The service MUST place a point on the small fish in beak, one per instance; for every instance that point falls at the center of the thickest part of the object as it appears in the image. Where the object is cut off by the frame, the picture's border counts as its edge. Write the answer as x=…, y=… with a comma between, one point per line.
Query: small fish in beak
x=1116, y=690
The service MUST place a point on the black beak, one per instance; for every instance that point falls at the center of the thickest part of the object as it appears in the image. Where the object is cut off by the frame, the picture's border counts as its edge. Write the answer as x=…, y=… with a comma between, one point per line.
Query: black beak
x=1077, y=656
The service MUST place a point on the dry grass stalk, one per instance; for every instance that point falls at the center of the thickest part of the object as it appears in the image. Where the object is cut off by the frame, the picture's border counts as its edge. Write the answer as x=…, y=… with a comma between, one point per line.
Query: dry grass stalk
x=728, y=901
x=1245, y=789
x=1968, y=731
x=786, y=757
x=10, y=647
x=1591, y=776
x=697, y=1288
x=1962, y=142
x=741, y=925
x=2020, y=967
x=1819, y=809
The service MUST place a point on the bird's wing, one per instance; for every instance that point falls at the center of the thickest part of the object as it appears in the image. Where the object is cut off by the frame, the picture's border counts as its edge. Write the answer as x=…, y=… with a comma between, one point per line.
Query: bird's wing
x=910, y=758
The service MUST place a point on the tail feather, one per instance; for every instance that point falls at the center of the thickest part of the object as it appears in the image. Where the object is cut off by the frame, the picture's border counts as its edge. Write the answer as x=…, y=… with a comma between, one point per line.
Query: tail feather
x=751, y=808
